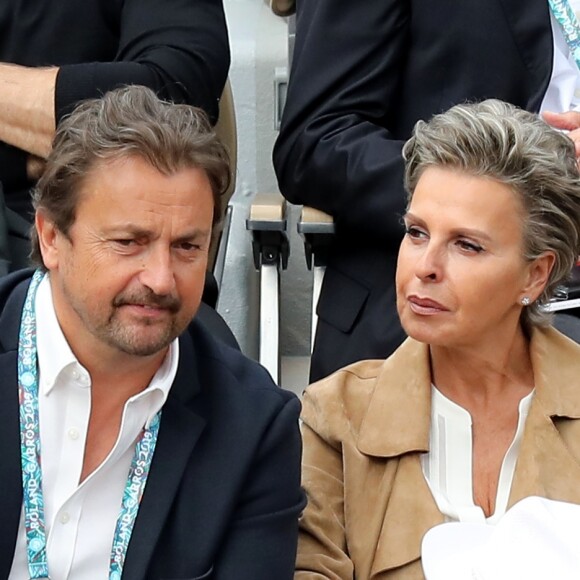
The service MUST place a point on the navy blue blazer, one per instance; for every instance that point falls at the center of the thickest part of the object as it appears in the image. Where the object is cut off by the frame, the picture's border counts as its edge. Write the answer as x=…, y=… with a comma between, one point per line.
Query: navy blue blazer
x=363, y=74
x=223, y=496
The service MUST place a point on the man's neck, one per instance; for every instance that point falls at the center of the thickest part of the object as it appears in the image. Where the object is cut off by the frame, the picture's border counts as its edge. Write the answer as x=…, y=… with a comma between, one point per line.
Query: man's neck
x=112, y=385
x=120, y=374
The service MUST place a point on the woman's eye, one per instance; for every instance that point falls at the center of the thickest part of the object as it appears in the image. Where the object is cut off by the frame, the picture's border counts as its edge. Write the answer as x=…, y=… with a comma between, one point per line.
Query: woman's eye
x=414, y=232
x=469, y=246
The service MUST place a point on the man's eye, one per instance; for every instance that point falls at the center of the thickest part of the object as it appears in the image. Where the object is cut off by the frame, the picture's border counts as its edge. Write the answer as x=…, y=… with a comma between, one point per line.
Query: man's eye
x=188, y=248
x=125, y=242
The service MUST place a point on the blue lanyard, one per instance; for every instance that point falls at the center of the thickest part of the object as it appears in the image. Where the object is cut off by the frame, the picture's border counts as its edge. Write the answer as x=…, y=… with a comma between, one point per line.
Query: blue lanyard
x=569, y=24
x=33, y=498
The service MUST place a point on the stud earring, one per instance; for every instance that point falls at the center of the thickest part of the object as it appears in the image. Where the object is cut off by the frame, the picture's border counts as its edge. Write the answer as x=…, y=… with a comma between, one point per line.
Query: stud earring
x=525, y=301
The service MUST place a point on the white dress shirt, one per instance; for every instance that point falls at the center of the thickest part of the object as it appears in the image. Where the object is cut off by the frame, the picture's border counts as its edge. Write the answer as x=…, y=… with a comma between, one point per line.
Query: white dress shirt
x=80, y=519
x=448, y=467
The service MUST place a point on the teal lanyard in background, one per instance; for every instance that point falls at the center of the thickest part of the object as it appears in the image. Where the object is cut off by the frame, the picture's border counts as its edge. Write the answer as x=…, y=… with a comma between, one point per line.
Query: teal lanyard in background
x=568, y=22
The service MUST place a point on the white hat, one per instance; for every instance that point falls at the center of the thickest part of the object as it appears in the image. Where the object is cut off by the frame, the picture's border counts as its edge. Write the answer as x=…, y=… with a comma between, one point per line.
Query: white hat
x=535, y=539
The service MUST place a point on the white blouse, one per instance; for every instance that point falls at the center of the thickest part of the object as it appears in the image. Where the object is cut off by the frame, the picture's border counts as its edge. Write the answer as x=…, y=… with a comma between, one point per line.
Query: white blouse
x=448, y=465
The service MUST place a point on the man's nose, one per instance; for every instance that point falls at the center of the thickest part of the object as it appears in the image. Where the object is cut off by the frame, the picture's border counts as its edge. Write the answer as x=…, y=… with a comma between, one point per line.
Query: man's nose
x=157, y=272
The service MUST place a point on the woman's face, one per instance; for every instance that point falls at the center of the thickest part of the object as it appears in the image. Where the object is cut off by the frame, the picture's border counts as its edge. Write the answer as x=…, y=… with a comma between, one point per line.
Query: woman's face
x=461, y=273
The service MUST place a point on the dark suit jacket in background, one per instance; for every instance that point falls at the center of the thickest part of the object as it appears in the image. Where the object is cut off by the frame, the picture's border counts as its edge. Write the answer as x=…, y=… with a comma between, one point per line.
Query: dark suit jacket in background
x=363, y=73
x=223, y=496
x=178, y=48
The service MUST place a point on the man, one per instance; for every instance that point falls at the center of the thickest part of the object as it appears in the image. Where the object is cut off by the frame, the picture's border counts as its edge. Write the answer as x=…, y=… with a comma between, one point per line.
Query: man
x=53, y=54
x=153, y=450
x=362, y=75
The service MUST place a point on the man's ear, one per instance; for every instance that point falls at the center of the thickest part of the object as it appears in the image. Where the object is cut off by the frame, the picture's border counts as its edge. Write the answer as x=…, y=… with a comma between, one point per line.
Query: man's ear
x=47, y=238
x=538, y=275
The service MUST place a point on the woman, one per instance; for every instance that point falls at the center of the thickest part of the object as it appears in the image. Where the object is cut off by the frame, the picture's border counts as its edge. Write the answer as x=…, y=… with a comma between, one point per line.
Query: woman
x=480, y=407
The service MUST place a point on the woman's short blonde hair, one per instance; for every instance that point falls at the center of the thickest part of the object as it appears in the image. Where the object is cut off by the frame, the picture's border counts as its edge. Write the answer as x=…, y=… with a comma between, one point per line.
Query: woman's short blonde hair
x=517, y=148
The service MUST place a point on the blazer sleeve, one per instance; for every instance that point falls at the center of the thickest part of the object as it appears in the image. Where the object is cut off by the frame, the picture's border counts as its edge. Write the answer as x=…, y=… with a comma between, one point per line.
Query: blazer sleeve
x=335, y=151
x=179, y=48
x=322, y=543
x=261, y=543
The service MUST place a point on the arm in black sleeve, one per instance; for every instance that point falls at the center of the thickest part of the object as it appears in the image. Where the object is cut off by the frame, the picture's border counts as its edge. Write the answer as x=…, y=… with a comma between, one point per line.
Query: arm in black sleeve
x=179, y=48
x=261, y=543
x=335, y=151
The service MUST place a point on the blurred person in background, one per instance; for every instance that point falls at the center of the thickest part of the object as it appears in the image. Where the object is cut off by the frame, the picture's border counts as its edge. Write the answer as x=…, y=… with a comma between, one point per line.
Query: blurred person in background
x=362, y=75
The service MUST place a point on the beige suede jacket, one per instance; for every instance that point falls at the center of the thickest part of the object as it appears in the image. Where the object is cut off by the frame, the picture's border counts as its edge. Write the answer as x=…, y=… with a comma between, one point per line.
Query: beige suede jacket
x=364, y=430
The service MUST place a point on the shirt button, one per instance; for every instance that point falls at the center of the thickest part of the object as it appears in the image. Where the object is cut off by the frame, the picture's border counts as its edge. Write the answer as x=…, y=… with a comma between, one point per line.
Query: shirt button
x=73, y=433
x=75, y=374
x=64, y=518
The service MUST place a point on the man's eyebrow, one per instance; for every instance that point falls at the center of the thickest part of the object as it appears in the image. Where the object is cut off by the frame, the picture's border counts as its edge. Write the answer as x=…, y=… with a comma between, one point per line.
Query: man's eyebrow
x=140, y=232
x=193, y=235
x=127, y=229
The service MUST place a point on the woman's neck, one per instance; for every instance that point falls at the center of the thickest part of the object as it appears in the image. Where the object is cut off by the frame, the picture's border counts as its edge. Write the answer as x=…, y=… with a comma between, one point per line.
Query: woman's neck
x=477, y=375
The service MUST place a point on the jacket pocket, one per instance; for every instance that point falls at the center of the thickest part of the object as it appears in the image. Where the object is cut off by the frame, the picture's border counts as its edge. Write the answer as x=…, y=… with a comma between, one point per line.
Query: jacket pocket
x=205, y=576
x=341, y=300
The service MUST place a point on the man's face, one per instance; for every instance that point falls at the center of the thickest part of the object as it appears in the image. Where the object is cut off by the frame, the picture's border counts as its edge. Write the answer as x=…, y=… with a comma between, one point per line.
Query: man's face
x=129, y=275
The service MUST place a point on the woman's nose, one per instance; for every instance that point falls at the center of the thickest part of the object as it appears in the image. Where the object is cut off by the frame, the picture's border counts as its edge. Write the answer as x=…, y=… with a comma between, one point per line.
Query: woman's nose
x=429, y=265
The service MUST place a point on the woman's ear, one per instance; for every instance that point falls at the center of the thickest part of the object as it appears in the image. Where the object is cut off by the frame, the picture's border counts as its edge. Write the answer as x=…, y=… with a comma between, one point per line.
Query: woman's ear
x=538, y=274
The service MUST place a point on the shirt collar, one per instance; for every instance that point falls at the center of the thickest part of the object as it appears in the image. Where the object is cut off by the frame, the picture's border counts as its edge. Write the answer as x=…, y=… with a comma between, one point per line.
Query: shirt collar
x=54, y=353
x=161, y=382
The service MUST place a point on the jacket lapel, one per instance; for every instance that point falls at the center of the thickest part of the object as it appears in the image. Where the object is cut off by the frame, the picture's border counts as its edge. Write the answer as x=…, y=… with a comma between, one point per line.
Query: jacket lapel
x=410, y=512
x=180, y=430
x=546, y=466
x=10, y=470
x=397, y=426
x=402, y=394
x=549, y=458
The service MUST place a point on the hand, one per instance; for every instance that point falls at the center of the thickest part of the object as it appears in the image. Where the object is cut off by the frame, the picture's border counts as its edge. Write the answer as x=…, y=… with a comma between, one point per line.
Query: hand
x=569, y=121
x=35, y=167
